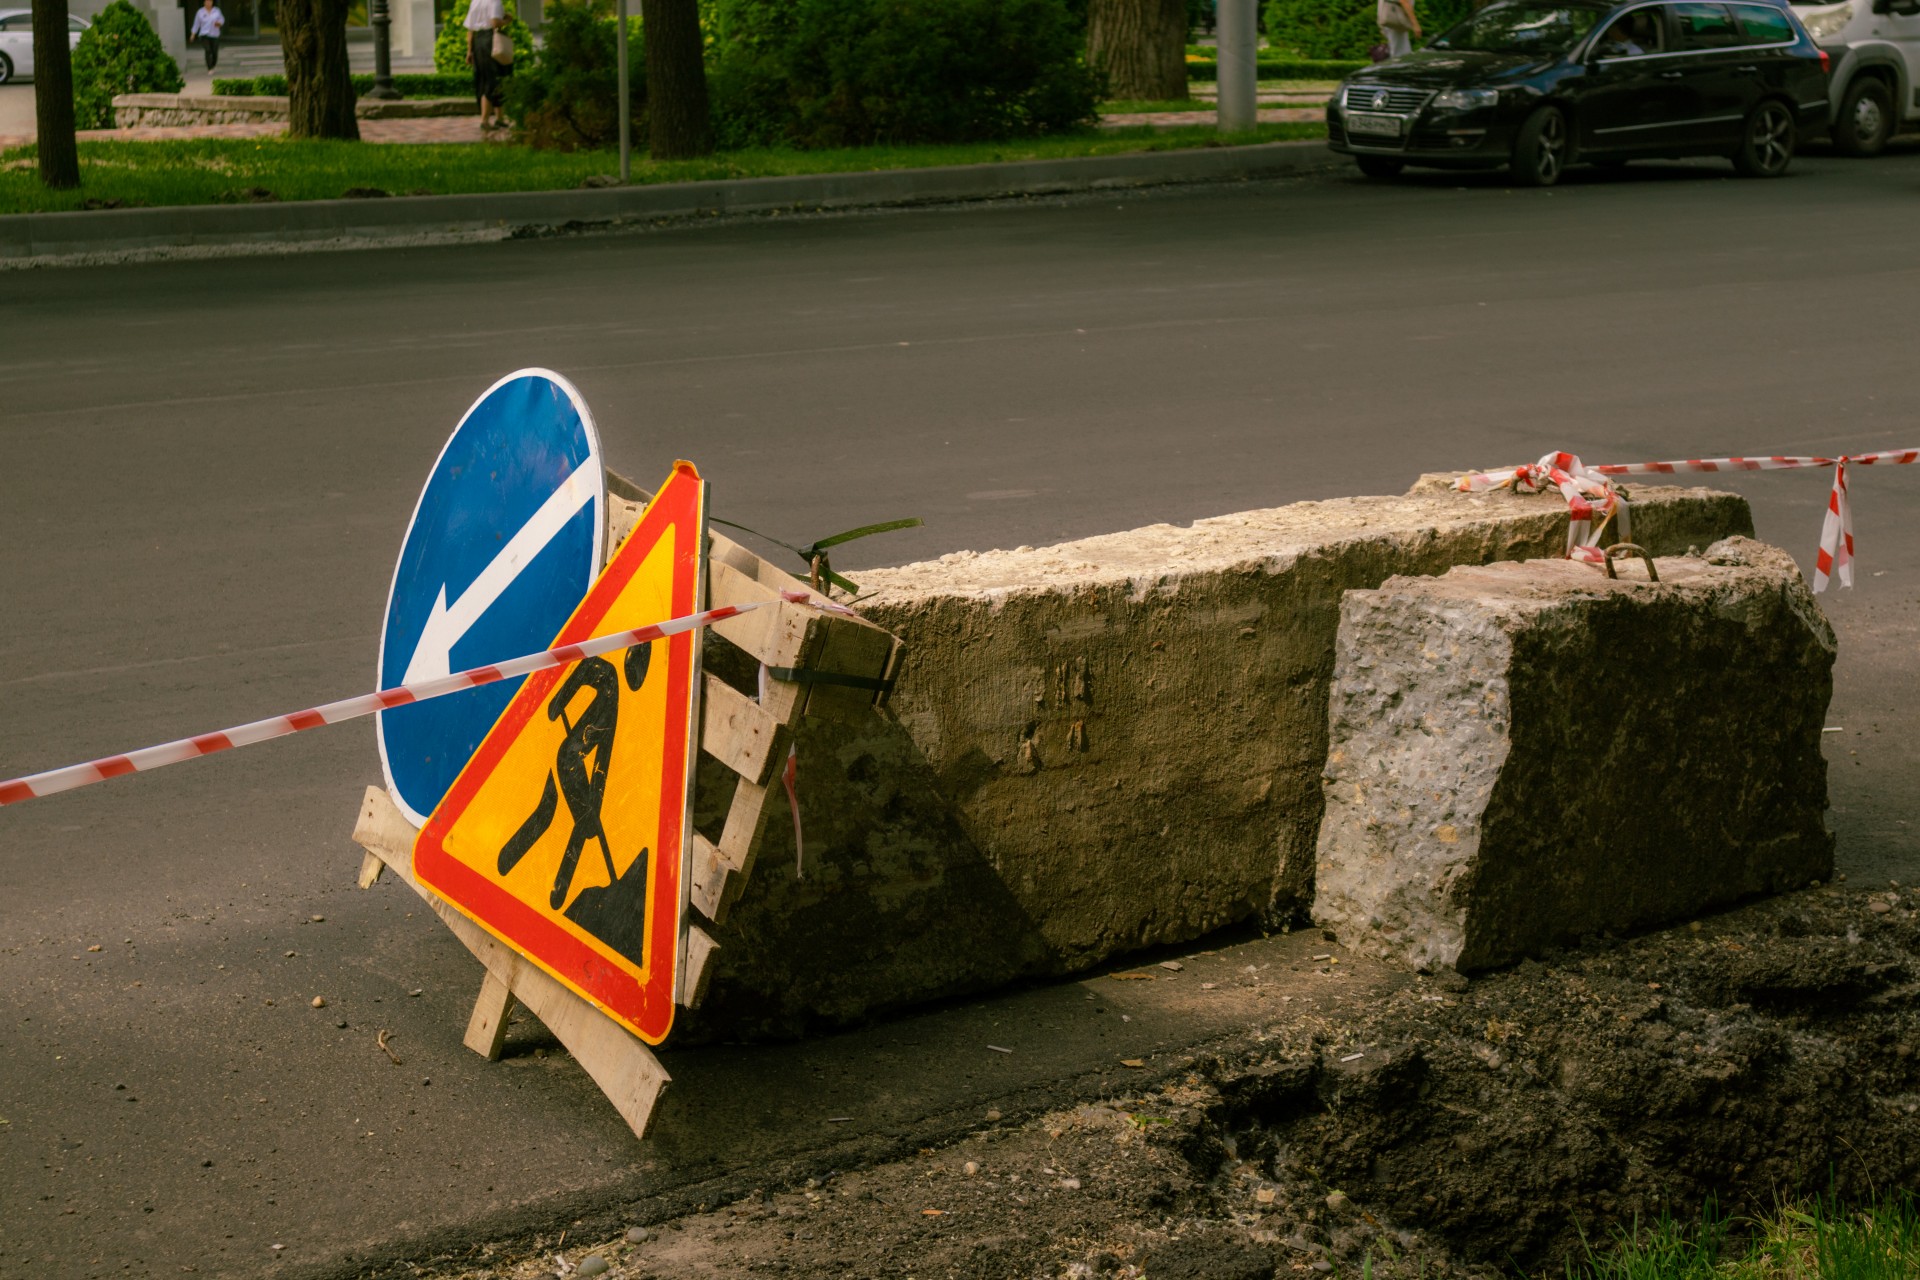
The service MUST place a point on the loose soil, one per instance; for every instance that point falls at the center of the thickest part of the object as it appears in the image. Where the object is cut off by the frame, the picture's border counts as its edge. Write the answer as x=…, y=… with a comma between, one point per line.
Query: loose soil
x=1450, y=1130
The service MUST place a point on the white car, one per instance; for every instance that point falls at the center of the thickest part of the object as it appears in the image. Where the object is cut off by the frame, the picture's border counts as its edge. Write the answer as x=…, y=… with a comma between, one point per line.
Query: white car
x=16, y=42
x=1875, y=47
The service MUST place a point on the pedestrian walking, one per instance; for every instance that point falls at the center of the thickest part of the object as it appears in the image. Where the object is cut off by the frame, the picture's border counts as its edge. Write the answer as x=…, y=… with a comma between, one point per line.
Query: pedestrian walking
x=1398, y=25
x=208, y=23
x=487, y=39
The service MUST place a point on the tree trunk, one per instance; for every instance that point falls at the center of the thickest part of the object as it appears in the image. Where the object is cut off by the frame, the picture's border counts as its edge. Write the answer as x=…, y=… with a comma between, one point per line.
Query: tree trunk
x=313, y=43
x=1141, y=45
x=53, y=95
x=678, y=126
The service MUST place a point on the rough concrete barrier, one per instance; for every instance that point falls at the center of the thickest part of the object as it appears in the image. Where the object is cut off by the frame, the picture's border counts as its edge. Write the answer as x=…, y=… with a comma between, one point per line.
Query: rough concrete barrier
x=1099, y=746
x=1523, y=754
x=133, y=110
x=275, y=227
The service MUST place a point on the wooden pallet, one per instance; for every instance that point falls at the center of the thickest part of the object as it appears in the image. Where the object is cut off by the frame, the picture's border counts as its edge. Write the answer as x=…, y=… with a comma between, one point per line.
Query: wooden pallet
x=749, y=735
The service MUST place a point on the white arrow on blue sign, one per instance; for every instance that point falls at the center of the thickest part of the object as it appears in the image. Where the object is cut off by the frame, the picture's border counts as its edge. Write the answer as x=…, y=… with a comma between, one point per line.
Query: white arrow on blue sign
x=506, y=539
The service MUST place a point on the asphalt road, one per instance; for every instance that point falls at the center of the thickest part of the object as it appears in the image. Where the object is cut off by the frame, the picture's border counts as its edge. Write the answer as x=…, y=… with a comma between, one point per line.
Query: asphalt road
x=205, y=469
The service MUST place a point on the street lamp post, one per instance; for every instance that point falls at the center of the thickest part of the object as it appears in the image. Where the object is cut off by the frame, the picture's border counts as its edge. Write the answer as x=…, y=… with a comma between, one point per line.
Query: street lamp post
x=1238, y=52
x=382, y=24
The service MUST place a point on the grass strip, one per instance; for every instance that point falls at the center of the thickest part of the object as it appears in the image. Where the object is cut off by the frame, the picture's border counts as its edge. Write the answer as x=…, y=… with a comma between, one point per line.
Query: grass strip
x=247, y=170
x=1818, y=1240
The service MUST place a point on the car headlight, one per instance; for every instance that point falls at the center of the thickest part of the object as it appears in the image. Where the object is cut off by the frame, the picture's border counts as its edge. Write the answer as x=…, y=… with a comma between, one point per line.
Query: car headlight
x=1460, y=99
x=1824, y=24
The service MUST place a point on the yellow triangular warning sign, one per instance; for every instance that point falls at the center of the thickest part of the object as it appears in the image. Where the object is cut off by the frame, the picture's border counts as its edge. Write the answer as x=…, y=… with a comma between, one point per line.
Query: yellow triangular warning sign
x=566, y=834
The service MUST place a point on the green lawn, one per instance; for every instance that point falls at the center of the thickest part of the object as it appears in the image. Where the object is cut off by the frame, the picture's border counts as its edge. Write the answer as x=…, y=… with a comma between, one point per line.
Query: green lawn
x=238, y=171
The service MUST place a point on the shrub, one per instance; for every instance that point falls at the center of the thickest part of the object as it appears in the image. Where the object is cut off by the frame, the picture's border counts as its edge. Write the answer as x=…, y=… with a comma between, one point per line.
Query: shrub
x=1279, y=69
x=830, y=73
x=450, y=46
x=568, y=97
x=119, y=53
x=414, y=85
x=1344, y=28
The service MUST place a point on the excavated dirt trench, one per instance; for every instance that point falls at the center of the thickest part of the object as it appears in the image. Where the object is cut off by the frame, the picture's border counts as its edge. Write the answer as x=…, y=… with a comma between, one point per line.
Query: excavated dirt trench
x=1447, y=1130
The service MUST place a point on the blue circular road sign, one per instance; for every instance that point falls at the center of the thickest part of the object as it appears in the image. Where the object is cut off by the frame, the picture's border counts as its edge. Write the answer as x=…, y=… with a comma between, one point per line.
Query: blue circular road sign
x=506, y=539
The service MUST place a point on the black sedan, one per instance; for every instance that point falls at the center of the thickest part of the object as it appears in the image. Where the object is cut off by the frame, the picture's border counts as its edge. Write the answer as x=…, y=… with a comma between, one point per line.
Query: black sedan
x=1538, y=86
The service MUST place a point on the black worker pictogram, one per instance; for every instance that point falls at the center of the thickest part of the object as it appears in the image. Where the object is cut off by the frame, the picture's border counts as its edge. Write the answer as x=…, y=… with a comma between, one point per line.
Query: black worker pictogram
x=580, y=767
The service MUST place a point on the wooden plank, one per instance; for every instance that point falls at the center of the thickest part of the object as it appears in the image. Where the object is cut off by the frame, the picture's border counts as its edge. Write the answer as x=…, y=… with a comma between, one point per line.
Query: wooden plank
x=699, y=970
x=746, y=819
x=370, y=869
x=618, y=1061
x=618, y=486
x=737, y=732
x=720, y=870
x=713, y=888
x=487, y=1026
x=865, y=651
x=622, y=515
x=777, y=635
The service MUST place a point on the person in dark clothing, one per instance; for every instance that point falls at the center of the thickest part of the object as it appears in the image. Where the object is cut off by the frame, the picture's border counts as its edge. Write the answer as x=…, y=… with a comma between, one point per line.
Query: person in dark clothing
x=484, y=18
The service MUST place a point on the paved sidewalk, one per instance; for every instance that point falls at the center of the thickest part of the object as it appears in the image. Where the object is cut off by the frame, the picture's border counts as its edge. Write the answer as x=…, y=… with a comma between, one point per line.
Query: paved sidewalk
x=277, y=228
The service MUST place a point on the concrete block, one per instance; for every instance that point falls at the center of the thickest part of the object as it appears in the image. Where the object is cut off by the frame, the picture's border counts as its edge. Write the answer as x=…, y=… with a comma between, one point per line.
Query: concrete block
x=1523, y=754
x=134, y=110
x=1097, y=747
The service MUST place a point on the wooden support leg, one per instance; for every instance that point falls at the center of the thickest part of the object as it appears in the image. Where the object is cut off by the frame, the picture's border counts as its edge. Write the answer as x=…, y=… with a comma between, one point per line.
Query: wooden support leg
x=618, y=1061
x=720, y=870
x=370, y=869
x=487, y=1028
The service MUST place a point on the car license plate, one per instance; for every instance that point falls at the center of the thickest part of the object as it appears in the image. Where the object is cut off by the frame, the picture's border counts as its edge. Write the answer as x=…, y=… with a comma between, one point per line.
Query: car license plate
x=1377, y=125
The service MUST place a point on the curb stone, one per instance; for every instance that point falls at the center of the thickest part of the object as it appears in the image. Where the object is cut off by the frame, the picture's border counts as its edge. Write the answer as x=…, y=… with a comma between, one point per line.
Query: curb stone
x=44, y=239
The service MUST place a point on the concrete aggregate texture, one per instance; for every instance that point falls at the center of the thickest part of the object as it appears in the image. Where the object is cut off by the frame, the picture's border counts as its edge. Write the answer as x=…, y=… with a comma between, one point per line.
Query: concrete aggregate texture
x=207, y=466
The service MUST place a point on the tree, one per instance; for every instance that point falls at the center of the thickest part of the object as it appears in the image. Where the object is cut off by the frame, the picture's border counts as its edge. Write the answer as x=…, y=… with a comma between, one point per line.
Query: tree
x=313, y=44
x=1141, y=45
x=53, y=96
x=679, y=125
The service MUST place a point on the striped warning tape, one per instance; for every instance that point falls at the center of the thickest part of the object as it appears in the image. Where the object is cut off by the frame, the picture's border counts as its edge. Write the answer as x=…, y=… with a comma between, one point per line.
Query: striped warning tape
x=1582, y=485
x=246, y=735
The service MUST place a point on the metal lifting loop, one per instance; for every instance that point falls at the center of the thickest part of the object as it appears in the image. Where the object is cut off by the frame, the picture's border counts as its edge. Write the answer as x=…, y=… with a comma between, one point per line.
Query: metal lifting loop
x=1631, y=549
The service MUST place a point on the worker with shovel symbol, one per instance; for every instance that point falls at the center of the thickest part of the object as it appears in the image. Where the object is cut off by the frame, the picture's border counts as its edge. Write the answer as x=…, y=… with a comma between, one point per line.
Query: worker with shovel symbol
x=583, y=784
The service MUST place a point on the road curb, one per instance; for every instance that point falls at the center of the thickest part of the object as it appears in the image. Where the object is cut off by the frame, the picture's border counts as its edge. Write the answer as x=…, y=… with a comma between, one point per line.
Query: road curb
x=33, y=238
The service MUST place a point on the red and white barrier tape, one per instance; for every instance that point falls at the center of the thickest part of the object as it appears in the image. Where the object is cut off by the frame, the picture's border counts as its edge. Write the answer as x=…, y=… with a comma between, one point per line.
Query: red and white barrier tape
x=206, y=744
x=1582, y=485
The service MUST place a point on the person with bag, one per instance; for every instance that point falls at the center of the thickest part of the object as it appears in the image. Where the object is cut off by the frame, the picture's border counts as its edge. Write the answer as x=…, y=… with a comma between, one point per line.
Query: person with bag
x=208, y=22
x=1398, y=25
x=490, y=54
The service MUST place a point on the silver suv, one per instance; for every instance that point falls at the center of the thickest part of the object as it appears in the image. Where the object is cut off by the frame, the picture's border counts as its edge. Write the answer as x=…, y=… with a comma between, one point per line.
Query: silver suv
x=1875, y=47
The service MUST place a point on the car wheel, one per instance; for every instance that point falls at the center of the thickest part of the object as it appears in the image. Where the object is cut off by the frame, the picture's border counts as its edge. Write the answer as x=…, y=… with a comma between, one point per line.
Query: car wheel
x=1540, y=152
x=1379, y=166
x=6, y=70
x=1766, y=142
x=1865, y=121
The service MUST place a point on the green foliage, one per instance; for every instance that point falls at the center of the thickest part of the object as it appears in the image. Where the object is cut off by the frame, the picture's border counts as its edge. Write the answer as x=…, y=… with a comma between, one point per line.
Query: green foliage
x=1343, y=29
x=831, y=73
x=119, y=53
x=1819, y=1240
x=450, y=46
x=568, y=97
x=1279, y=69
x=420, y=85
